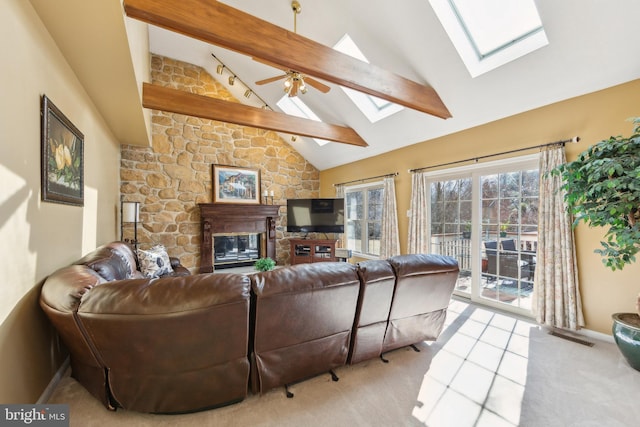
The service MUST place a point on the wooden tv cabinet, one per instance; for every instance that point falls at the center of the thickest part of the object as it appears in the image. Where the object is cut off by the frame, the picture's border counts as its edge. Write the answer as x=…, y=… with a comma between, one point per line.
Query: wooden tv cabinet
x=304, y=251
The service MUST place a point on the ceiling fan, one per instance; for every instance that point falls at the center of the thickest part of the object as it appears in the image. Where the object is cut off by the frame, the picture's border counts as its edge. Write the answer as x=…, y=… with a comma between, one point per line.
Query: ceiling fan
x=295, y=82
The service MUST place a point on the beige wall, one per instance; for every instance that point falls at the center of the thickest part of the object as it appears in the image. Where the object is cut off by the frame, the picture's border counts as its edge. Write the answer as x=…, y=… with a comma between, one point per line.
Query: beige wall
x=593, y=117
x=35, y=237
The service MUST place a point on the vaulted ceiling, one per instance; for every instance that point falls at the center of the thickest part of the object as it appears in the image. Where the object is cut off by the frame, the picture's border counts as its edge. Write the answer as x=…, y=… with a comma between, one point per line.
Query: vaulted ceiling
x=592, y=46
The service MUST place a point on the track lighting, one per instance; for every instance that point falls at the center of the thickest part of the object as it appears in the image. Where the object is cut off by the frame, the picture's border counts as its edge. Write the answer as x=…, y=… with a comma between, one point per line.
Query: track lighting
x=248, y=92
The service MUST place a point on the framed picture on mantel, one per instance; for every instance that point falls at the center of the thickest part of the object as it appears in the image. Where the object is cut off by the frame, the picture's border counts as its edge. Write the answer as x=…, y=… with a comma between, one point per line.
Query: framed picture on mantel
x=232, y=184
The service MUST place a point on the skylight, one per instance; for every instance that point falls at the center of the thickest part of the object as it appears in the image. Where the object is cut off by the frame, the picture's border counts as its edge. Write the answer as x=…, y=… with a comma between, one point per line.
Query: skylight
x=294, y=106
x=372, y=107
x=491, y=33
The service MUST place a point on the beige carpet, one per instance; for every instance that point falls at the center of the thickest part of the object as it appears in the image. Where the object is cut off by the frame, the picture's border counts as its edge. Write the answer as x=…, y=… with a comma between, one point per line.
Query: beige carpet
x=487, y=369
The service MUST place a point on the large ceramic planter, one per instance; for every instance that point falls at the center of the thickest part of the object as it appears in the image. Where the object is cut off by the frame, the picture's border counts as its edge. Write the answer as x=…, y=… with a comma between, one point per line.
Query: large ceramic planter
x=626, y=332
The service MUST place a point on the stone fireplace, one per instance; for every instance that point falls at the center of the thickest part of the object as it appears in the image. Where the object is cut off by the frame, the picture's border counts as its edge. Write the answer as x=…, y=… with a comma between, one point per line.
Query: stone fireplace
x=246, y=232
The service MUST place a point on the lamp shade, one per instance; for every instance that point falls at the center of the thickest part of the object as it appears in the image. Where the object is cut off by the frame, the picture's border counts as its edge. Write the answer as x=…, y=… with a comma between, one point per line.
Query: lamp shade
x=130, y=212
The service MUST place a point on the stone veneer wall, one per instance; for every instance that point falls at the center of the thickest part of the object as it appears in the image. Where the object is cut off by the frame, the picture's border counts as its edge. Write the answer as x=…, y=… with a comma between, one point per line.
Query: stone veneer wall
x=172, y=176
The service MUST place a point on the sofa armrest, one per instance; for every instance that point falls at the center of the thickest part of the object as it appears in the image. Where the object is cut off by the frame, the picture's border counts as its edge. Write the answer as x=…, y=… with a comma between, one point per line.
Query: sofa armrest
x=178, y=269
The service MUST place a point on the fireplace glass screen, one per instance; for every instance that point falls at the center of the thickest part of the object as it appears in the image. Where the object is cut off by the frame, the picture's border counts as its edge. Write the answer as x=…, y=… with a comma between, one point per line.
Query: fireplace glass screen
x=235, y=250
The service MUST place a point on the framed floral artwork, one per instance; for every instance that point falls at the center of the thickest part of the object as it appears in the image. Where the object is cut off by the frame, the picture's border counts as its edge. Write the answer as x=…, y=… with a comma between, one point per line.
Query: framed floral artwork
x=232, y=184
x=62, y=157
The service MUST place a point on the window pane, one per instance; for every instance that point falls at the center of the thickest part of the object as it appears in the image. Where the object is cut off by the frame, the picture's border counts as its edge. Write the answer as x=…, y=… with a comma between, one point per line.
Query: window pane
x=375, y=235
x=354, y=235
x=354, y=205
x=374, y=205
x=489, y=186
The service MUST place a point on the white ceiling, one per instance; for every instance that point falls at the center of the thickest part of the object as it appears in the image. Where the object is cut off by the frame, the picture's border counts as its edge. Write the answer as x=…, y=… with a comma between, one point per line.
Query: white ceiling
x=593, y=44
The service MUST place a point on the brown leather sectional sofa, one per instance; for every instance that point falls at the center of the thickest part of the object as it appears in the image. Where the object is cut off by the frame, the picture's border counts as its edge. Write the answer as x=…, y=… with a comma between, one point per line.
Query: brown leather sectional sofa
x=192, y=342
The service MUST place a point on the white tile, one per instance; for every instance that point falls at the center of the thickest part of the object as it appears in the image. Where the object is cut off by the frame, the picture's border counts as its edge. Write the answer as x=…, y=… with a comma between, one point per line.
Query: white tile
x=454, y=410
x=473, y=381
x=514, y=367
x=519, y=345
x=486, y=355
x=459, y=344
x=481, y=315
x=524, y=328
x=472, y=328
x=503, y=322
x=505, y=399
x=489, y=419
x=444, y=366
x=495, y=336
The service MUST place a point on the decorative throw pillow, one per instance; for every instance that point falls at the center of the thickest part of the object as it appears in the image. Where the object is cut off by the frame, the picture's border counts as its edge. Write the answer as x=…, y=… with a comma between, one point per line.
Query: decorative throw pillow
x=154, y=262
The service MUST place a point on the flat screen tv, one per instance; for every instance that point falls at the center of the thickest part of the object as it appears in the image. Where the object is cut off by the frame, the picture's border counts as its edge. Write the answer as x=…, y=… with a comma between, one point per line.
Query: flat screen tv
x=315, y=215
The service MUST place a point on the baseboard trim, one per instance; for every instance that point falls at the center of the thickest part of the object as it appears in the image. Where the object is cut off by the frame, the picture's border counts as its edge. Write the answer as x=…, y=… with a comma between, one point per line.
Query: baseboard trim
x=48, y=391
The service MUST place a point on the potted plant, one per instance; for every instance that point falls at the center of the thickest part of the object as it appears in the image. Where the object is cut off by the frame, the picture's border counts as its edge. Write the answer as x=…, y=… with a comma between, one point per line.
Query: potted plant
x=503, y=230
x=466, y=231
x=603, y=190
x=265, y=264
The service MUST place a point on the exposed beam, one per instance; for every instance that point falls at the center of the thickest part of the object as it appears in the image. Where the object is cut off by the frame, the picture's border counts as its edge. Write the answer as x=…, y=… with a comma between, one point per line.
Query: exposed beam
x=181, y=102
x=216, y=23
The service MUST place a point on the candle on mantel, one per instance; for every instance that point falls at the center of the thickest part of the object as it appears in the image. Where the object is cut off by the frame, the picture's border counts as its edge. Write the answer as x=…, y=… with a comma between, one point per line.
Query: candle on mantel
x=271, y=193
x=265, y=193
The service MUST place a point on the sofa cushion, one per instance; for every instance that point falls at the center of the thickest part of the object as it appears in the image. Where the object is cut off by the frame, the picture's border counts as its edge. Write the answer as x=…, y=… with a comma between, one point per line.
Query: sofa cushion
x=155, y=262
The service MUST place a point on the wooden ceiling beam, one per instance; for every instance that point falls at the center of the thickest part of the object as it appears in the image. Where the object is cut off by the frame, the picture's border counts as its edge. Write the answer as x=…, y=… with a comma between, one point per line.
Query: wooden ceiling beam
x=181, y=102
x=219, y=24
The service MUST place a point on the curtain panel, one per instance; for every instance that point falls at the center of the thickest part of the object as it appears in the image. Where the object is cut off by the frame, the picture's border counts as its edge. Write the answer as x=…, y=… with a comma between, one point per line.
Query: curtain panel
x=390, y=244
x=418, y=242
x=557, y=300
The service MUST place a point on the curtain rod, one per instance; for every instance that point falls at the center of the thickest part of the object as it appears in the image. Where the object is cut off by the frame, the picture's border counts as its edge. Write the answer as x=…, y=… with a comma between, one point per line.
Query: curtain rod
x=367, y=179
x=573, y=140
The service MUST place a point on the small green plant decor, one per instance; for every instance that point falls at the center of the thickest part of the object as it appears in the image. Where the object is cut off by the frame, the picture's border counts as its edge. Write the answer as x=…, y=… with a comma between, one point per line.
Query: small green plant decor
x=265, y=264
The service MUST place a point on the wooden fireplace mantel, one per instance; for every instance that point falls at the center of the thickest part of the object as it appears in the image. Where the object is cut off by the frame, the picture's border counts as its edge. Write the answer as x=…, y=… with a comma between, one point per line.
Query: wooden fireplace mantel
x=235, y=218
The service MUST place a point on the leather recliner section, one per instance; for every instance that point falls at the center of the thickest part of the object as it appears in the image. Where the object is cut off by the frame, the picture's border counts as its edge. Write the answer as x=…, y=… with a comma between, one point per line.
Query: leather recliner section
x=303, y=320
x=424, y=284
x=377, y=282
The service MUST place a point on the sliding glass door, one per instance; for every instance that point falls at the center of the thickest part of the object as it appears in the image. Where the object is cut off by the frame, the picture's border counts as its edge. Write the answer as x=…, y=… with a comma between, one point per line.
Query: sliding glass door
x=486, y=217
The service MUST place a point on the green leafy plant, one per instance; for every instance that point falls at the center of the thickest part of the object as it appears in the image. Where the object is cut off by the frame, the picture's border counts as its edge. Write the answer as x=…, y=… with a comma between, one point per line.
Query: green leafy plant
x=603, y=190
x=265, y=264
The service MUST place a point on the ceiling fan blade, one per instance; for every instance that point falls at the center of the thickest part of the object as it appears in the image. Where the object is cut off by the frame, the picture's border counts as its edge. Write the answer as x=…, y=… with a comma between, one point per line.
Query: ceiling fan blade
x=271, y=79
x=317, y=85
x=181, y=102
x=222, y=25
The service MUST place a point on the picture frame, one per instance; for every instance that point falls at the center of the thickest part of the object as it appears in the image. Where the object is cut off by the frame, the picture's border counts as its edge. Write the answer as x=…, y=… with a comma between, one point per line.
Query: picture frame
x=233, y=184
x=62, y=157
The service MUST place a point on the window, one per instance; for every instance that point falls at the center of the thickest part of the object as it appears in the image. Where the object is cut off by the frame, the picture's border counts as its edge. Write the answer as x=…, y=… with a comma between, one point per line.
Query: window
x=363, y=206
x=372, y=107
x=294, y=106
x=486, y=216
x=491, y=33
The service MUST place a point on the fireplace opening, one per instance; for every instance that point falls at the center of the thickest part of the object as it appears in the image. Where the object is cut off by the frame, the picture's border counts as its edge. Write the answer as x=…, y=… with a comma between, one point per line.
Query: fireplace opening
x=236, y=249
